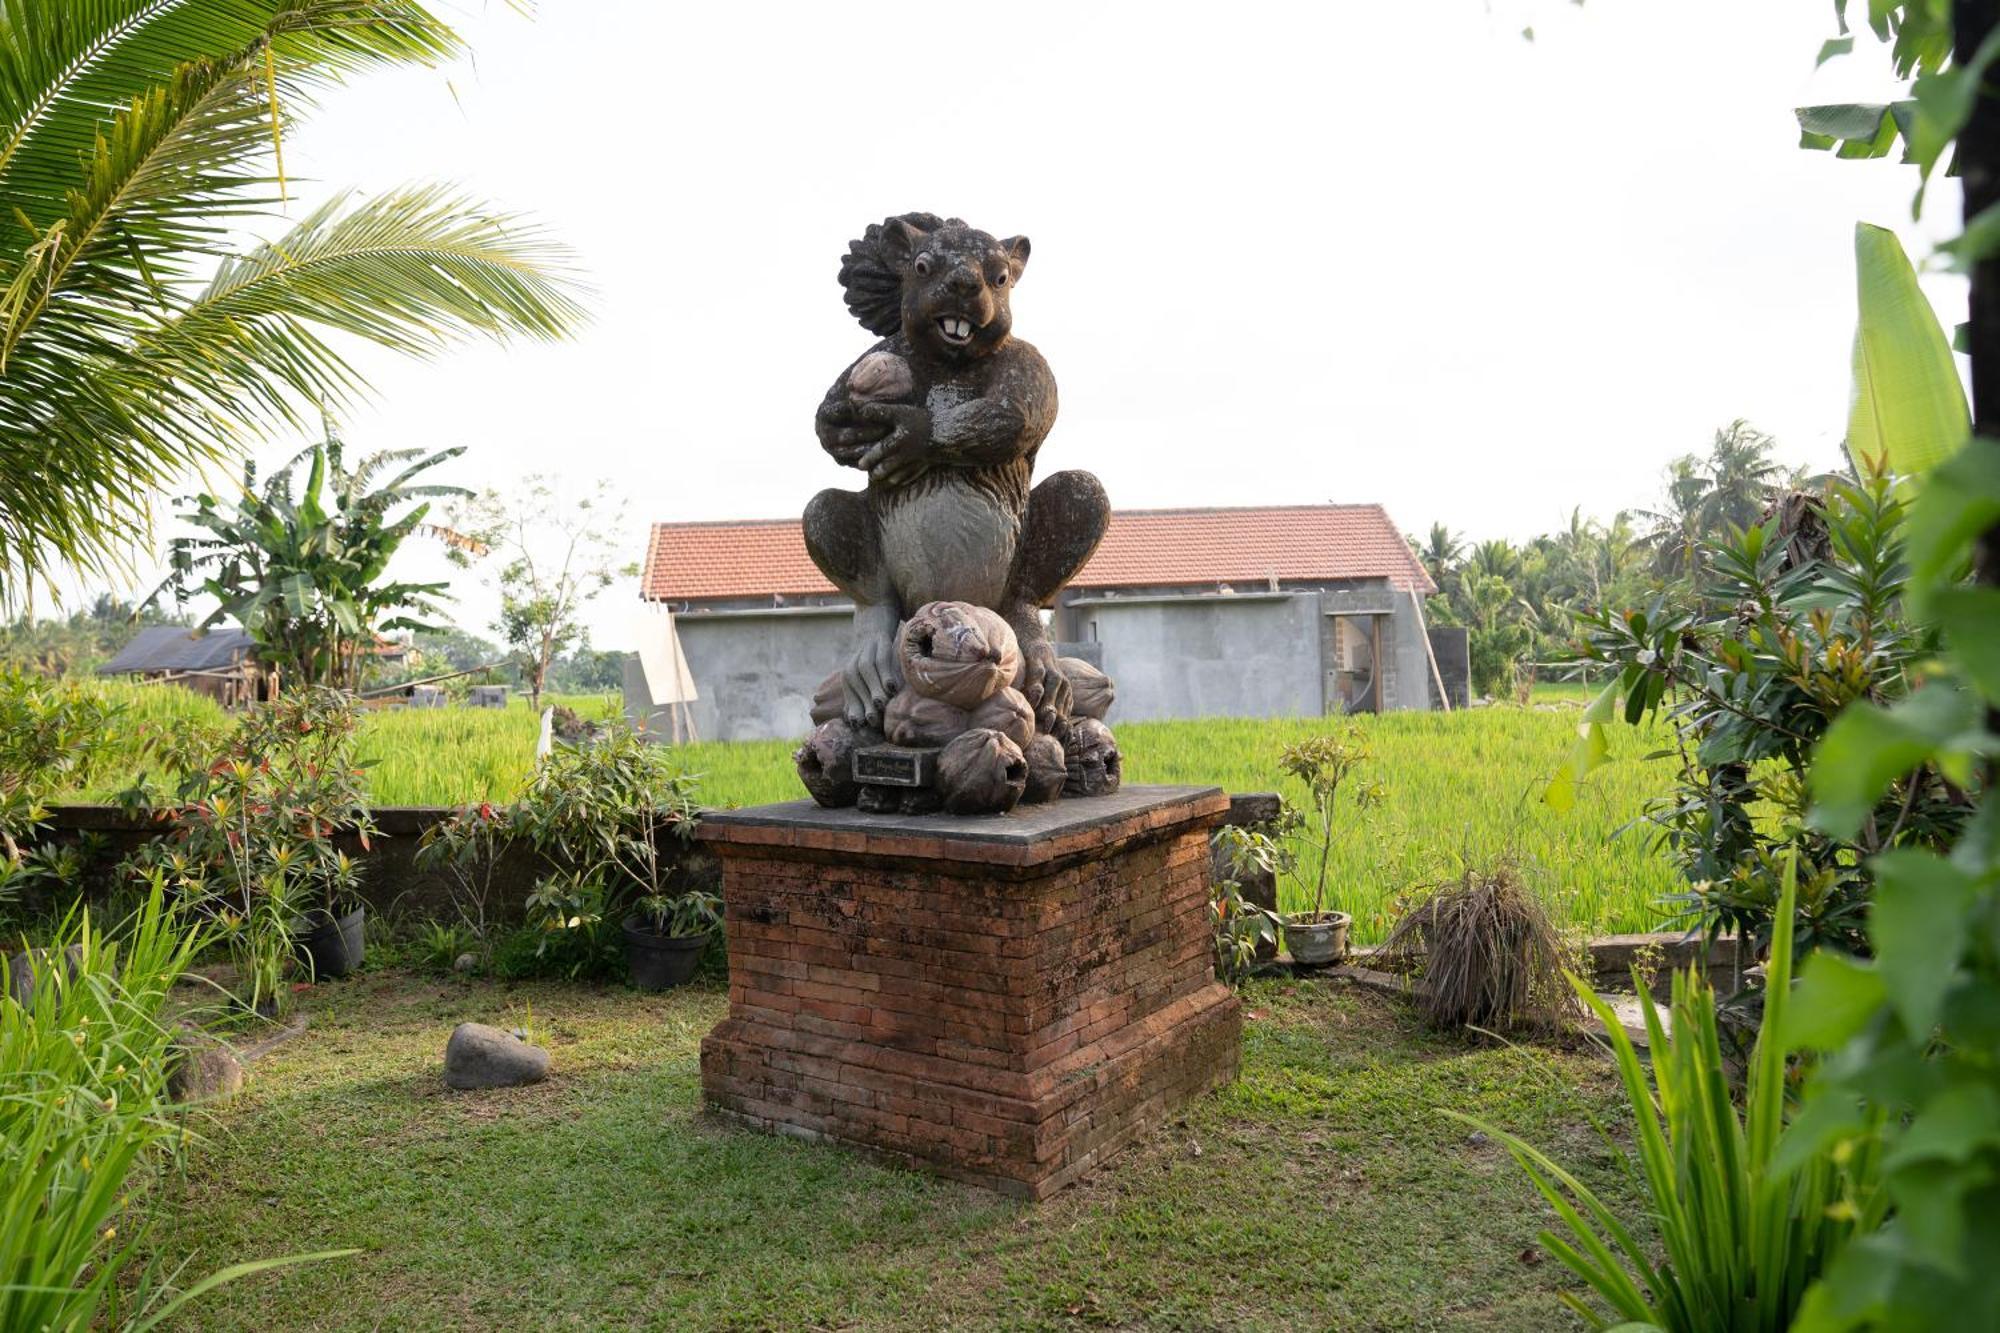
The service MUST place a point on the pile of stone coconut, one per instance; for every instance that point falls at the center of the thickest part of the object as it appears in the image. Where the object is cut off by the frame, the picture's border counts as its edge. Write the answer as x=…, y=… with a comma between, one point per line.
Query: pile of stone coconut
x=962, y=673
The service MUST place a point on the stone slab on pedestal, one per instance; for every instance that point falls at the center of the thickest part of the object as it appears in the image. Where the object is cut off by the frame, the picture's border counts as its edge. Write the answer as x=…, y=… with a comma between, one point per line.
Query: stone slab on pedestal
x=1003, y=999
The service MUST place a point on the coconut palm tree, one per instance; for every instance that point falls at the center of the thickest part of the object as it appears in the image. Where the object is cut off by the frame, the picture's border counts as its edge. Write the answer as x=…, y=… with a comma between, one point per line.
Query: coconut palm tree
x=137, y=138
x=1742, y=477
x=1674, y=532
x=1497, y=558
x=1439, y=553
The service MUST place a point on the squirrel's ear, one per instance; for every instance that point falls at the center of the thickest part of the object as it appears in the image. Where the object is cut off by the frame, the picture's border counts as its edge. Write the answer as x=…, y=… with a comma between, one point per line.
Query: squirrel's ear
x=1017, y=253
x=900, y=240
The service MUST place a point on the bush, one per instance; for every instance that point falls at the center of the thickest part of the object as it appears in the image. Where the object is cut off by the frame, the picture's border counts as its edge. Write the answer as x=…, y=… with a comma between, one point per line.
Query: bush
x=1241, y=927
x=1749, y=1210
x=597, y=813
x=83, y=1068
x=256, y=829
x=1802, y=616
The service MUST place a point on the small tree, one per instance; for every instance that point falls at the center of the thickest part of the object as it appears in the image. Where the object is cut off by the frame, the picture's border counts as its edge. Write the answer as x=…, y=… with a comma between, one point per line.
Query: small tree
x=555, y=554
x=305, y=574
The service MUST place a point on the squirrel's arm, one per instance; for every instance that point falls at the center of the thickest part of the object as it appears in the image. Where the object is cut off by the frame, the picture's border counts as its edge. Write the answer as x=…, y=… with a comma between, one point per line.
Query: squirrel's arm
x=842, y=433
x=1007, y=422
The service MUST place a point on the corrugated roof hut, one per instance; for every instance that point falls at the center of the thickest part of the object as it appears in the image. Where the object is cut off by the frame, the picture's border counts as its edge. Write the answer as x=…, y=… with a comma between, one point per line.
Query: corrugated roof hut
x=220, y=663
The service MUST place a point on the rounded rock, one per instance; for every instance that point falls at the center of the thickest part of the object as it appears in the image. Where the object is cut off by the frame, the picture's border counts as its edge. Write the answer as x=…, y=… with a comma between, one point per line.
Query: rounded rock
x=480, y=1056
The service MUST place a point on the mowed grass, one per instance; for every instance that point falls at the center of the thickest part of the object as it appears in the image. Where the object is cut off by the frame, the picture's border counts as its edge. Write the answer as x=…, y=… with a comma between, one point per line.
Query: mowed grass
x=1458, y=787
x=1322, y=1190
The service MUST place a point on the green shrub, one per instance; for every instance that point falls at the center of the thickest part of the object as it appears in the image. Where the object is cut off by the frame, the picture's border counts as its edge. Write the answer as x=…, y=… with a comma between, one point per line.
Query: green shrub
x=83, y=1069
x=1750, y=1211
x=255, y=829
x=600, y=814
x=1802, y=616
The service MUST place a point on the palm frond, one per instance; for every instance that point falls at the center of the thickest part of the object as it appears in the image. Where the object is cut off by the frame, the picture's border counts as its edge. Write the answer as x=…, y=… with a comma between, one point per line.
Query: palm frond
x=134, y=134
x=409, y=270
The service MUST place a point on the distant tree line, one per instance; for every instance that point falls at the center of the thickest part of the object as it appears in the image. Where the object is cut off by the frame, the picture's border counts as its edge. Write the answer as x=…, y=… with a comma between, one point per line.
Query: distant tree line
x=1518, y=601
x=75, y=644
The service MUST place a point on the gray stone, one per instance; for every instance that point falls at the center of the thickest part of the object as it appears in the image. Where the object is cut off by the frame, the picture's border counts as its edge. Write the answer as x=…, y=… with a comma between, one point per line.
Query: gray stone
x=202, y=1069
x=478, y=1056
x=26, y=969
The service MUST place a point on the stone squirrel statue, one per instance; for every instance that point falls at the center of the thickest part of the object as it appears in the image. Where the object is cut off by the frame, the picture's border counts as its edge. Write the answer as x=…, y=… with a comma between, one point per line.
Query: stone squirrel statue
x=948, y=438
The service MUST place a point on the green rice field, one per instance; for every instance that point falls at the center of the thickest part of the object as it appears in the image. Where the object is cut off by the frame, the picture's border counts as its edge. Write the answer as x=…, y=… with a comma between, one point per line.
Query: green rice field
x=1458, y=787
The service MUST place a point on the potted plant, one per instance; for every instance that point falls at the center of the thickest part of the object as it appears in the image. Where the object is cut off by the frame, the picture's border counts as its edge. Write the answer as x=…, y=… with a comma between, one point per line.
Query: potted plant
x=255, y=840
x=1326, y=765
x=665, y=936
x=606, y=813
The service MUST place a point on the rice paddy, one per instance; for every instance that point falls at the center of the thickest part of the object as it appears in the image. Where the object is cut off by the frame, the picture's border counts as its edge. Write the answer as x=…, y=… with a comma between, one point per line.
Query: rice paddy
x=1458, y=787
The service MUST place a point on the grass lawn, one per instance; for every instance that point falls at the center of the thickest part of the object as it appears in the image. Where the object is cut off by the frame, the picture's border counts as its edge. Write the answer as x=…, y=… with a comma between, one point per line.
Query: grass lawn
x=1321, y=1190
x=1458, y=786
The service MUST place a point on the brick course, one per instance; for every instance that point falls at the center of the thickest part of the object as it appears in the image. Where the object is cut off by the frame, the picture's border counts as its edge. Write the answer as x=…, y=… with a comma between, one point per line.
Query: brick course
x=1009, y=1013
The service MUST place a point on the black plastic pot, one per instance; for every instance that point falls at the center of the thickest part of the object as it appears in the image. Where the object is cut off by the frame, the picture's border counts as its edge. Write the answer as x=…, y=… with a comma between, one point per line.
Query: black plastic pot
x=658, y=961
x=331, y=946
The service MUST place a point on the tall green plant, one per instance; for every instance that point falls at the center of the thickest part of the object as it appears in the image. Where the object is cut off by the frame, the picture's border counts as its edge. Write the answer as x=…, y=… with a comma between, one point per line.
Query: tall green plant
x=1748, y=1209
x=1326, y=765
x=1912, y=1036
x=255, y=829
x=83, y=1119
x=134, y=136
x=306, y=573
x=1800, y=616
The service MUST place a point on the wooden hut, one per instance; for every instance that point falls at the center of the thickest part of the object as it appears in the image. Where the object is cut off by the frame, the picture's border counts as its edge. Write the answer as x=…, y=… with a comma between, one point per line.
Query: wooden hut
x=220, y=663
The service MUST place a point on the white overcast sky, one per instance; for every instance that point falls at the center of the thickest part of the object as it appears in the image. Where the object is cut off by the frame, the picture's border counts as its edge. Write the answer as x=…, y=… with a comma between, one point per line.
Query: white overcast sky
x=1282, y=252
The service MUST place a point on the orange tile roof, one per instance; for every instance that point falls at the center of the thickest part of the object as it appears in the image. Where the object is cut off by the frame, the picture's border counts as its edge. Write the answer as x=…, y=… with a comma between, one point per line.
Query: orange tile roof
x=692, y=562
x=1144, y=548
x=1309, y=543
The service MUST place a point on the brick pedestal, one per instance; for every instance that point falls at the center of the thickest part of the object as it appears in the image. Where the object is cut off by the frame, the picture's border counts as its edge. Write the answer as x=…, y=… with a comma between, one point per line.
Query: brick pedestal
x=1006, y=1000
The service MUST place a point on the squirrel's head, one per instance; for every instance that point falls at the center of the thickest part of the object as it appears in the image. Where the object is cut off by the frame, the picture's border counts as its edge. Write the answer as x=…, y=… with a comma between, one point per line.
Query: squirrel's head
x=944, y=284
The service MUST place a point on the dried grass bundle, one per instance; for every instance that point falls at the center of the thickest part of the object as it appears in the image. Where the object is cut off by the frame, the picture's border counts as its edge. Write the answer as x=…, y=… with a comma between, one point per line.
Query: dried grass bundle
x=1488, y=954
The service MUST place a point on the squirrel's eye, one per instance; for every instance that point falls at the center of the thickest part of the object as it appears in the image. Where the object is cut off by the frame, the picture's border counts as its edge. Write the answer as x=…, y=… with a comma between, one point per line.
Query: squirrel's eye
x=923, y=266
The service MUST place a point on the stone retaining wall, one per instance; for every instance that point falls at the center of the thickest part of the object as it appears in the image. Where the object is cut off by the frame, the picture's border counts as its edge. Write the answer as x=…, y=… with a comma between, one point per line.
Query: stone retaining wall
x=392, y=883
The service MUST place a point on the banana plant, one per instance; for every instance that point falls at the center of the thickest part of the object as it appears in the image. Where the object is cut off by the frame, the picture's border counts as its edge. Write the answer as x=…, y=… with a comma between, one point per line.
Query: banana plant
x=1908, y=407
x=304, y=573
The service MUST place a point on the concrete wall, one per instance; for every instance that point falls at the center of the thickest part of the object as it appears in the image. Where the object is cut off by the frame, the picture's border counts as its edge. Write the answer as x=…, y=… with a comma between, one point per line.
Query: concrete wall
x=1452, y=644
x=756, y=670
x=1250, y=655
x=1172, y=655
x=1410, y=686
